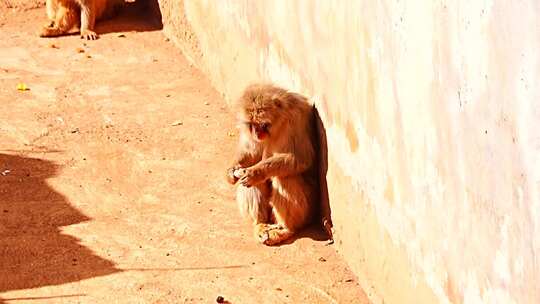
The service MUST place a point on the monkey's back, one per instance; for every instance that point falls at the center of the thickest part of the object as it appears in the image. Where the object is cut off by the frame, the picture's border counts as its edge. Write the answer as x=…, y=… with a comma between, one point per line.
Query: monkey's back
x=301, y=142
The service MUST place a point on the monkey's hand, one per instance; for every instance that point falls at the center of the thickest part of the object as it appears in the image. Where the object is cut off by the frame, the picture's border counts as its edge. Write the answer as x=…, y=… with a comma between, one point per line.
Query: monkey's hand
x=231, y=178
x=234, y=173
x=252, y=177
x=88, y=35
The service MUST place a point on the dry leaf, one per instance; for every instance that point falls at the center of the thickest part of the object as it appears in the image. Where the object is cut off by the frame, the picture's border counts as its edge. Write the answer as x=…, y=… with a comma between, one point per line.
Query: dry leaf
x=22, y=87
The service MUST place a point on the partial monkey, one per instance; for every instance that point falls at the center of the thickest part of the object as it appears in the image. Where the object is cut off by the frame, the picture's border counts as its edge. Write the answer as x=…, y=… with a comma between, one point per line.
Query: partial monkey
x=65, y=15
x=275, y=167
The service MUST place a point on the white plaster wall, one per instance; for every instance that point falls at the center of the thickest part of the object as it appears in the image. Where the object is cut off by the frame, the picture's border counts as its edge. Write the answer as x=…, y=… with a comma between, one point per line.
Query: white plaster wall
x=432, y=108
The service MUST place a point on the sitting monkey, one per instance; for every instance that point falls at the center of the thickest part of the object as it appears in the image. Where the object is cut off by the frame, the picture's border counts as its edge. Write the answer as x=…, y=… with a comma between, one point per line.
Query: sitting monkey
x=276, y=162
x=64, y=15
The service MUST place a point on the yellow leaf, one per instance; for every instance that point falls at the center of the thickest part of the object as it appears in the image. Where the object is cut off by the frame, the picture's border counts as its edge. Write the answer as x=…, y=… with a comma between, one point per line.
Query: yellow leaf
x=22, y=87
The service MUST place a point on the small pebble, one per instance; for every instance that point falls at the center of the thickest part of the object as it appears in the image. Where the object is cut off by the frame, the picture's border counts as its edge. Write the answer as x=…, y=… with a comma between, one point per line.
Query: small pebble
x=239, y=172
x=80, y=50
x=220, y=299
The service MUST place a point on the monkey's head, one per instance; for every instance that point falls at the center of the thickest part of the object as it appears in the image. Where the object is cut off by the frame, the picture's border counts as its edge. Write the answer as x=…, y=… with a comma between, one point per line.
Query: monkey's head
x=261, y=111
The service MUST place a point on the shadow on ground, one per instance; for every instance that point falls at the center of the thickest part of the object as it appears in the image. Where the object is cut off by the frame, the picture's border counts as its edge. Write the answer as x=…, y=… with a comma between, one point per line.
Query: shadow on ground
x=33, y=250
x=314, y=232
x=138, y=16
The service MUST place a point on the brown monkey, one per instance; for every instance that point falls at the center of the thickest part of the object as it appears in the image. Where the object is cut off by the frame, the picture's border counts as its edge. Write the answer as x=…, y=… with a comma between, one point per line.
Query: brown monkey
x=275, y=166
x=64, y=15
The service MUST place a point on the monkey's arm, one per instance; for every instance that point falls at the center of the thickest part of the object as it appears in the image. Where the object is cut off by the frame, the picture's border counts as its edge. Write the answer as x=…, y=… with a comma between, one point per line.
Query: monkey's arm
x=243, y=160
x=282, y=164
x=88, y=19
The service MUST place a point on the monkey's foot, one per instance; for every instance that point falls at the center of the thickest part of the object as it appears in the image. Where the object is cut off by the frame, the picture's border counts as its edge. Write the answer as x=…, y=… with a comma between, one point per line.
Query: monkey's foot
x=272, y=234
x=89, y=35
x=49, y=24
x=276, y=236
x=44, y=32
x=50, y=32
x=261, y=231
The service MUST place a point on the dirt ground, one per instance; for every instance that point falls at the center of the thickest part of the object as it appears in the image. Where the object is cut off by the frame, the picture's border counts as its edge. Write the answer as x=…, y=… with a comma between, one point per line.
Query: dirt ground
x=112, y=184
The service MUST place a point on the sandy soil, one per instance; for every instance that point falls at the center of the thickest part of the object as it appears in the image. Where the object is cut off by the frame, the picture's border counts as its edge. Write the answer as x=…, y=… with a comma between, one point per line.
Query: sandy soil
x=111, y=184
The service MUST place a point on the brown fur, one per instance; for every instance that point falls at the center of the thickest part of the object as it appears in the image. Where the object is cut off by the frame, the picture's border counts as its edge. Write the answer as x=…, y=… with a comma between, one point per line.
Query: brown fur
x=65, y=15
x=277, y=173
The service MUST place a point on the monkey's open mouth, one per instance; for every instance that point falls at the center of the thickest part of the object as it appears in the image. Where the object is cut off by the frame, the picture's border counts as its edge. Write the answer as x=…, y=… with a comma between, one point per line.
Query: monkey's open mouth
x=261, y=135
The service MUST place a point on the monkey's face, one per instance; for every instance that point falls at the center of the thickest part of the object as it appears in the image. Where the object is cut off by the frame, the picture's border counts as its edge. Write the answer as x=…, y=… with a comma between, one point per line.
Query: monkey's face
x=259, y=131
x=261, y=114
x=258, y=123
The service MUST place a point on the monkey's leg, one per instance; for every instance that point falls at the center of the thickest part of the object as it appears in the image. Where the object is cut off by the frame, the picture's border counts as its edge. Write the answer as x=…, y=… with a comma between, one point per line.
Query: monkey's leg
x=88, y=19
x=263, y=232
x=253, y=202
x=291, y=209
x=51, y=12
x=65, y=20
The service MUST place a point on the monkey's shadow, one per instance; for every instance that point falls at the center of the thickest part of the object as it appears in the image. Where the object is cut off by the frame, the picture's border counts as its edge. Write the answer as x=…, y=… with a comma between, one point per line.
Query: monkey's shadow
x=34, y=252
x=314, y=232
x=138, y=16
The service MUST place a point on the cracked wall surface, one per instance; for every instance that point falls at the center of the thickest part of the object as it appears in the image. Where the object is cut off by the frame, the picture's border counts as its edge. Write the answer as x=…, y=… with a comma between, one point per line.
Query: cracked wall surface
x=433, y=123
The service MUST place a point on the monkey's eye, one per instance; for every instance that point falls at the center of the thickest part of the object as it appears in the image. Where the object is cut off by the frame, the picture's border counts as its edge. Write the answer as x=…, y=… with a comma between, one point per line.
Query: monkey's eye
x=265, y=126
